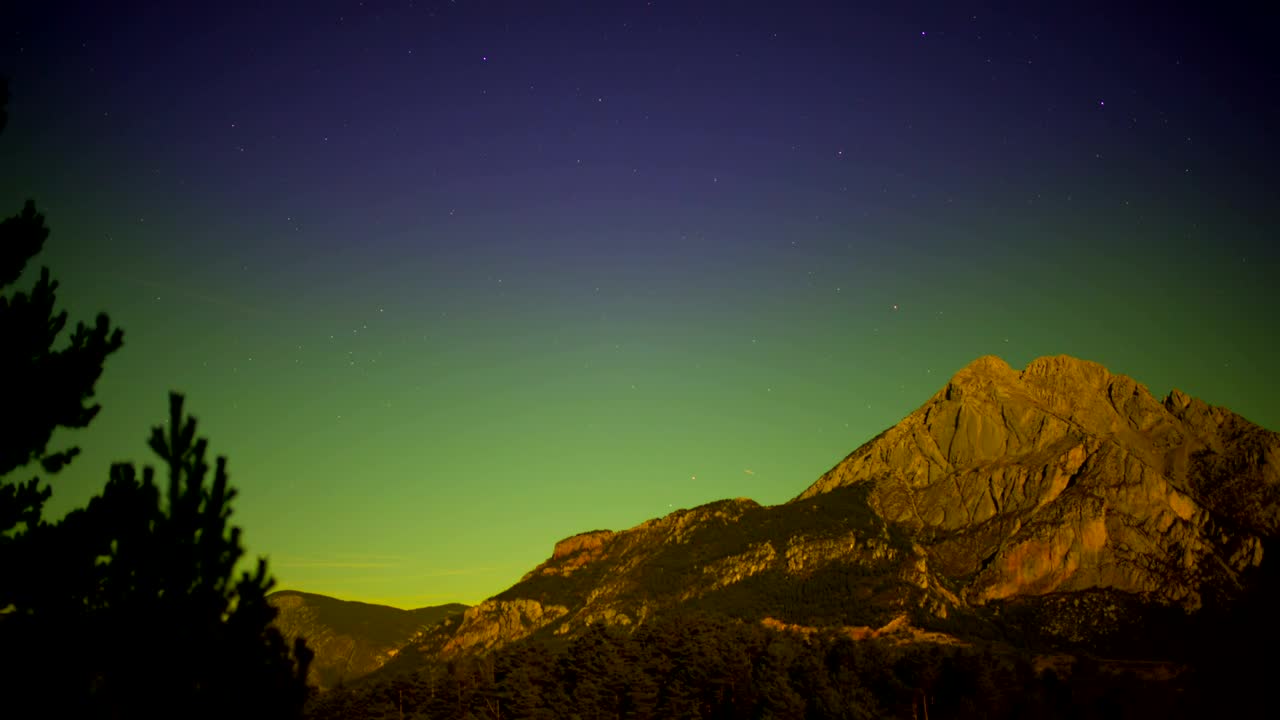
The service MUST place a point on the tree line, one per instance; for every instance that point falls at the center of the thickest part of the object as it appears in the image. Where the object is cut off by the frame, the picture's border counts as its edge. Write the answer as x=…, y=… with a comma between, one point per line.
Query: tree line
x=712, y=667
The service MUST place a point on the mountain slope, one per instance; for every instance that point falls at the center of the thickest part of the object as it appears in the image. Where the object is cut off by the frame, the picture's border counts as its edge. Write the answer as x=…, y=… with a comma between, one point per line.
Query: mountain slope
x=796, y=563
x=351, y=639
x=1061, y=491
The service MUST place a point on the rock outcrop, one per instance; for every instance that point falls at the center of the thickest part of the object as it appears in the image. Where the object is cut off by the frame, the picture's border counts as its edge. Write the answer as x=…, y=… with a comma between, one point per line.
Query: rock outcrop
x=575, y=552
x=497, y=622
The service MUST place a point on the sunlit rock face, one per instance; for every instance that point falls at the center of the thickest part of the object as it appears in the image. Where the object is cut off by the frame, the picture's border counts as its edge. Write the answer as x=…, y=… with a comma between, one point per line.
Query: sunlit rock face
x=704, y=554
x=1065, y=477
x=1006, y=485
x=497, y=622
x=575, y=552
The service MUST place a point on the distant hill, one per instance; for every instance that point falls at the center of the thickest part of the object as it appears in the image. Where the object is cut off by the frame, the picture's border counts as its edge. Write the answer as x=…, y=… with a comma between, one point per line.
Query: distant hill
x=351, y=639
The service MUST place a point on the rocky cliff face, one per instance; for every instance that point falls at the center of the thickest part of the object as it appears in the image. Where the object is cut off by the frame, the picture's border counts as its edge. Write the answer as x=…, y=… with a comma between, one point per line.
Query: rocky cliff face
x=1065, y=477
x=1005, y=485
x=731, y=553
x=351, y=639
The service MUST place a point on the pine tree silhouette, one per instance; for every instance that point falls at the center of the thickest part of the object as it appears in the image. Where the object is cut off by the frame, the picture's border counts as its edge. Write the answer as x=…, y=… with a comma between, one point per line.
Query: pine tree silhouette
x=128, y=607
x=42, y=388
x=141, y=585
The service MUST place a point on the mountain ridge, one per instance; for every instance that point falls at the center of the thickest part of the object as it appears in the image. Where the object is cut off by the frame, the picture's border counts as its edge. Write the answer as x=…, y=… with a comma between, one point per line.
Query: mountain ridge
x=1061, y=502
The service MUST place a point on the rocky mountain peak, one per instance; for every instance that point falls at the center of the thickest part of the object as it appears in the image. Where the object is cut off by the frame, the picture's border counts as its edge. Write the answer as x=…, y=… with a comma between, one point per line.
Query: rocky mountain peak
x=987, y=368
x=1077, y=392
x=1065, y=476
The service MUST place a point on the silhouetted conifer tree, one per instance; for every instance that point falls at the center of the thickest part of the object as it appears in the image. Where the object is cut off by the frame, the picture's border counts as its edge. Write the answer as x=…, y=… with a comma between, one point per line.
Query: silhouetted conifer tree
x=128, y=607
x=41, y=387
x=143, y=616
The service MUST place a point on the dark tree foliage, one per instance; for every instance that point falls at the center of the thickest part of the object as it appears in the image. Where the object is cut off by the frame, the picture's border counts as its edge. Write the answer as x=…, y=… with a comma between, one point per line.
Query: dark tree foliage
x=1235, y=641
x=715, y=668
x=42, y=387
x=140, y=615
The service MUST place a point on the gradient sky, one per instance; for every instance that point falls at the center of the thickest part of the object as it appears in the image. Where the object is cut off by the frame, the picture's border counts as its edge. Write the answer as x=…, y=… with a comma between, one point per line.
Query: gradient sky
x=449, y=281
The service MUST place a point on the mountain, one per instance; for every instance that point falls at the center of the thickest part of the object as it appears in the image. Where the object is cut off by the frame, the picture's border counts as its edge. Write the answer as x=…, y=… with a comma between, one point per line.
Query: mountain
x=1057, y=505
x=351, y=639
x=1065, y=477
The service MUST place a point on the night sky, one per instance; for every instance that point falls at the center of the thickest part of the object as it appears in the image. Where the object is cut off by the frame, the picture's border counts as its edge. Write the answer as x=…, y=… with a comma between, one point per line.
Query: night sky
x=449, y=281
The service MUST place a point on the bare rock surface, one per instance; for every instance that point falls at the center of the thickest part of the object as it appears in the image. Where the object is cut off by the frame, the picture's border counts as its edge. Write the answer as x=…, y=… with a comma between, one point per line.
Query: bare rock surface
x=1064, y=477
